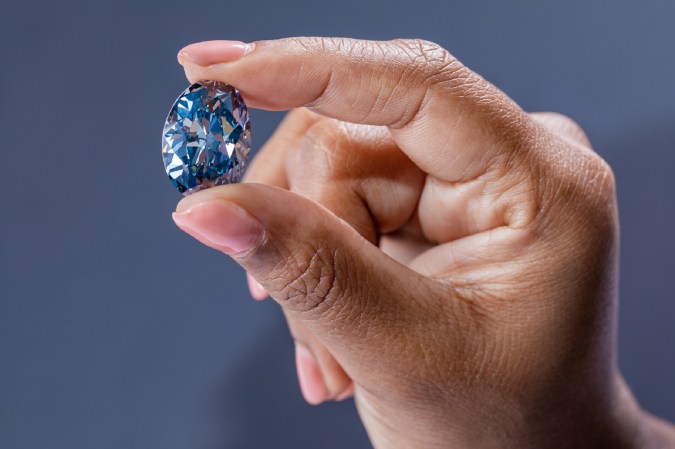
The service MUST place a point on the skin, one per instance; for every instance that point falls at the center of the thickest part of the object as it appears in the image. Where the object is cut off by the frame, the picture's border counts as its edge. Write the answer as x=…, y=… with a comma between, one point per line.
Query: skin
x=441, y=255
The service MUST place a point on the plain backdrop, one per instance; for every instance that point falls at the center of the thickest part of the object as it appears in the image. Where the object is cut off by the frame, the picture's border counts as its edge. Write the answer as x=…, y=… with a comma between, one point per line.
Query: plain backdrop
x=119, y=331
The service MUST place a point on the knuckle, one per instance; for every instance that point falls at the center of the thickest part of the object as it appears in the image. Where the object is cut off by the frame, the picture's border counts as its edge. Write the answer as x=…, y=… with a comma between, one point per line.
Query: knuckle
x=584, y=192
x=324, y=132
x=323, y=149
x=326, y=46
x=571, y=187
x=429, y=62
x=429, y=69
x=310, y=280
x=590, y=183
x=315, y=43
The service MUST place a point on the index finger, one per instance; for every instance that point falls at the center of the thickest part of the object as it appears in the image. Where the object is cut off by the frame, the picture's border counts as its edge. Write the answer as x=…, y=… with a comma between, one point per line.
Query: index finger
x=447, y=119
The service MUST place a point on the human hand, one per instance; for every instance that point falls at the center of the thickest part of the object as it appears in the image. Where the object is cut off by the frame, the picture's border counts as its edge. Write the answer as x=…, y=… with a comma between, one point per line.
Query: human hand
x=449, y=258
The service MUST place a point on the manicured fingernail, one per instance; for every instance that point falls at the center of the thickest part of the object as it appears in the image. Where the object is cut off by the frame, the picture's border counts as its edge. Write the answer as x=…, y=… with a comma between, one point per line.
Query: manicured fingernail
x=257, y=291
x=349, y=391
x=309, y=376
x=222, y=225
x=214, y=52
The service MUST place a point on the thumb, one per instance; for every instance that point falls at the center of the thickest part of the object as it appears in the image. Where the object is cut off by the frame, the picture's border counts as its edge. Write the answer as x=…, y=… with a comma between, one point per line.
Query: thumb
x=354, y=298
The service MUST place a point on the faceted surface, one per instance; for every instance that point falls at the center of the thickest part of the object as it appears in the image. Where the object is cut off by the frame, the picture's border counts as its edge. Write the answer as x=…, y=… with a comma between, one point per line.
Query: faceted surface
x=207, y=137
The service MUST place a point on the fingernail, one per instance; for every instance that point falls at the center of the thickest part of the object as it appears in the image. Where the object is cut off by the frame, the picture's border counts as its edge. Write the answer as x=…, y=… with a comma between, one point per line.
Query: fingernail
x=214, y=52
x=257, y=291
x=309, y=376
x=349, y=391
x=222, y=225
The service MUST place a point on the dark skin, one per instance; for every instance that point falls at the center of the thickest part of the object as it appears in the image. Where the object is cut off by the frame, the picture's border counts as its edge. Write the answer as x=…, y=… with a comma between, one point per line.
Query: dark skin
x=441, y=255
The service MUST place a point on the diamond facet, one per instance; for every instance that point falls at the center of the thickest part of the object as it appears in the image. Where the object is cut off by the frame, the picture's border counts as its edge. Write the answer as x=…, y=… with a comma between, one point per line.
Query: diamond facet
x=207, y=137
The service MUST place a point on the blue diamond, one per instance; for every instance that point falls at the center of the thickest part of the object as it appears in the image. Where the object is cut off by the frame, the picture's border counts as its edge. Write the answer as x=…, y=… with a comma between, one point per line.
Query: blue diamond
x=207, y=137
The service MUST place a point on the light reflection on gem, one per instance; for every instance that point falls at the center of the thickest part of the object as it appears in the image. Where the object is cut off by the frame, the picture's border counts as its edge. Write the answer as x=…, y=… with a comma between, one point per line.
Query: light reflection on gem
x=207, y=137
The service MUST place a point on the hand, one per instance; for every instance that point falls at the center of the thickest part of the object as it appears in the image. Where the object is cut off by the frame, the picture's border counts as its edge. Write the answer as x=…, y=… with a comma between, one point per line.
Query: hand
x=445, y=255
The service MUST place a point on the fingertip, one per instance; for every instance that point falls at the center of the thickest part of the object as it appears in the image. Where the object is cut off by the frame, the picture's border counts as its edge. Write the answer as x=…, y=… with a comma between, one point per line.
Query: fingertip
x=221, y=225
x=310, y=378
x=257, y=291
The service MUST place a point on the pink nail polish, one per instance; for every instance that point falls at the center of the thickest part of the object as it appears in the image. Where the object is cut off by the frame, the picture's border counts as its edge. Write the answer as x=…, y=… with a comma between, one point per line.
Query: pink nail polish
x=222, y=225
x=214, y=52
x=309, y=376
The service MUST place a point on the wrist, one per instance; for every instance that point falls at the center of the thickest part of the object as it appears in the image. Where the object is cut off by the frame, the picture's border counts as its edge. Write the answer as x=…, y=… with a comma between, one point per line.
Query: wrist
x=618, y=424
x=621, y=425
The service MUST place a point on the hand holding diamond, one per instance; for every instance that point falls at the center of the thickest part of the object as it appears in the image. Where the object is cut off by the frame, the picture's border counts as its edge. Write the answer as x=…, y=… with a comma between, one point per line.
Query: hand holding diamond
x=442, y=255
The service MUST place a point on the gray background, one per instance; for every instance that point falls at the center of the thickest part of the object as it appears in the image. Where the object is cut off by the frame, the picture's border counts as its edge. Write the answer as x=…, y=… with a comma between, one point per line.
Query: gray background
x=119, y=331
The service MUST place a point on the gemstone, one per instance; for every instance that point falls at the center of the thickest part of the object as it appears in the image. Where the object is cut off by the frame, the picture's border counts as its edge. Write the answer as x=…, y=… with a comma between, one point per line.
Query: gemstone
x=207, y=137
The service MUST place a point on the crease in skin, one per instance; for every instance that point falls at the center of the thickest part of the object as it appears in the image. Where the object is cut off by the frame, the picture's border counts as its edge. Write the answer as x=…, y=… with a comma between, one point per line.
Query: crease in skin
x=543, y=359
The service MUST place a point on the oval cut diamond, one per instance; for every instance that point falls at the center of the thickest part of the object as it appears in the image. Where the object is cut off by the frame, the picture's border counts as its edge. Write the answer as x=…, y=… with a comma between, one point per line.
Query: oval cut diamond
x=207, y=137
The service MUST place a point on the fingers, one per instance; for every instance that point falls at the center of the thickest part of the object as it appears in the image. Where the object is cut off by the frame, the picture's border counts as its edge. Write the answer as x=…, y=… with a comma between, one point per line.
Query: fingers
x=320, y=376
x=356, y=300
x=358, y=173
x=447, y=119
